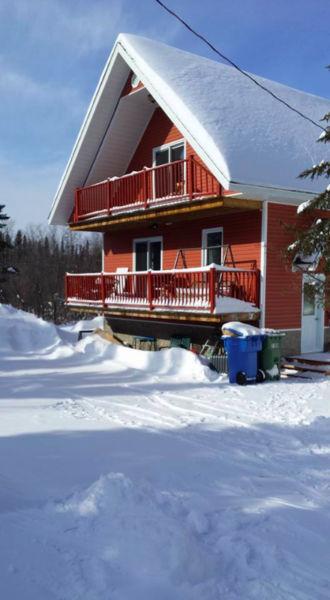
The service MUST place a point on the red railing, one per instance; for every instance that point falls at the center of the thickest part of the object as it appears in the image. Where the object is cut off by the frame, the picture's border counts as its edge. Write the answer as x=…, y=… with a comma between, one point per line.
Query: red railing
x=187, y=289
x=183, y=179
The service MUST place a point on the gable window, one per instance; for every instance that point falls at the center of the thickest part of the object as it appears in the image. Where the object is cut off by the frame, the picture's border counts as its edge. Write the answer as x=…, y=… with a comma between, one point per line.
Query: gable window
x=168, y=153
x=147, y=254
x=212, y=243
x=169, y=181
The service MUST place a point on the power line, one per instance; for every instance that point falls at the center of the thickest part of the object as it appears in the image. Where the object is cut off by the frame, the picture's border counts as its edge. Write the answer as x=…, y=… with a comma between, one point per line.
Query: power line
x=228, y=60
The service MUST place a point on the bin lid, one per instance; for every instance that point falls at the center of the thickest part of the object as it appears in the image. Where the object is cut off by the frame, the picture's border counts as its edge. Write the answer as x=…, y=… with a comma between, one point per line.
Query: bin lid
x=272, y=333
x=236, y=328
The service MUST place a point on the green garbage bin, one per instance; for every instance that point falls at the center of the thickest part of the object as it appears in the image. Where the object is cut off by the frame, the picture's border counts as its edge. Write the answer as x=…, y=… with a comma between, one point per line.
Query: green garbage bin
x=270, y=355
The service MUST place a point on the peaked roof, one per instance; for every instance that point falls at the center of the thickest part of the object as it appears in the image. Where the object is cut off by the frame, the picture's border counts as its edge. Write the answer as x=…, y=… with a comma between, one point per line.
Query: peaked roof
x=248, y=140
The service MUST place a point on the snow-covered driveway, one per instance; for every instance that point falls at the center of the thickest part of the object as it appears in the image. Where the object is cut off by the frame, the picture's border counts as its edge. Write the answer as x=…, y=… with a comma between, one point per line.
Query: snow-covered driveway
x=132, y=475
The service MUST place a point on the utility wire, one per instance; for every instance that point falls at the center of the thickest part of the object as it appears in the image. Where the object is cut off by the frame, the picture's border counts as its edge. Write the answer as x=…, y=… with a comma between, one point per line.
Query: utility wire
x=228, y=60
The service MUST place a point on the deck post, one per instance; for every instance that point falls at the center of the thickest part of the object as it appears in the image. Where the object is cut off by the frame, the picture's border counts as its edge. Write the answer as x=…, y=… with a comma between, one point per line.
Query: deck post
x=103, y=289
x=76, y=211
x=145, y=188
x=212, y=288
x=257, y=277
x=109, y=196
x=66, y=287
x=190, y=177
x=149, y=289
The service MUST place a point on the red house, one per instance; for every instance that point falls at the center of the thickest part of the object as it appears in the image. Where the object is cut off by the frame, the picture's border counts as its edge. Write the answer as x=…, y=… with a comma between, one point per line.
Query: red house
x=190, y=172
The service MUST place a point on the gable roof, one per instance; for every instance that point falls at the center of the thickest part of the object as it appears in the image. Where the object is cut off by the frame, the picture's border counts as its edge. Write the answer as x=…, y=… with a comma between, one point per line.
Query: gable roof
x=248, y=140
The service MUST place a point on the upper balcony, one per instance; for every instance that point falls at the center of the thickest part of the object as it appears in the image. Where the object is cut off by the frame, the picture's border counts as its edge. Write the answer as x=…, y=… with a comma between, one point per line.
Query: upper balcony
x=148, y=192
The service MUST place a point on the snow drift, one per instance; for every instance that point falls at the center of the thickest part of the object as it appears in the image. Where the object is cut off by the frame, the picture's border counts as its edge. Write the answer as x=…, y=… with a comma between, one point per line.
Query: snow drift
x=23, y=332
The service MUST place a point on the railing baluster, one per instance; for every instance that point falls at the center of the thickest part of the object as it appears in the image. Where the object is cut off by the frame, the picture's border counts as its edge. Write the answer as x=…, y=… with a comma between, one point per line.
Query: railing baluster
x=190, y=178
x=145, y=189
x=150, y=290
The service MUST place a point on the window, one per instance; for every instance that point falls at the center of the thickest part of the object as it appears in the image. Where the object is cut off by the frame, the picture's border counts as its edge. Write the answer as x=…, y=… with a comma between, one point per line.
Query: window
x=309, y=300
x=147, y=254
x=167, y=154
x=212, y=242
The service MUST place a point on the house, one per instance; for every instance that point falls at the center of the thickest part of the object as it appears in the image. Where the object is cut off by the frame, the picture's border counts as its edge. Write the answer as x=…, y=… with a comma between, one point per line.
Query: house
x=189, y=170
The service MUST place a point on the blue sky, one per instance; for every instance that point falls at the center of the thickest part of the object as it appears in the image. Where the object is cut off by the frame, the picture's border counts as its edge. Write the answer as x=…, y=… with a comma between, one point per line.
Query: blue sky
x=53, y=51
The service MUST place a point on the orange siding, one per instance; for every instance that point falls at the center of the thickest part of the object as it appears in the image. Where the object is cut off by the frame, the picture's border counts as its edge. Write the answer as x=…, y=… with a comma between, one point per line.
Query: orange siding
x=283, y=288
x=241, y=230
x=159, y=131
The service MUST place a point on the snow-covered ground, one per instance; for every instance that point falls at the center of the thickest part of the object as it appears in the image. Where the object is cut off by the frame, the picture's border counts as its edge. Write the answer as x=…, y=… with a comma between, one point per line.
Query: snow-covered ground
x=128, y=475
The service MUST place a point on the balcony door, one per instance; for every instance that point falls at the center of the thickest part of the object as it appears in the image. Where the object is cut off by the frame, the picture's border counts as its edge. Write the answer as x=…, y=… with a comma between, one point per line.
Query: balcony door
x=169, y=181
x=312, y=318
x=147, y=253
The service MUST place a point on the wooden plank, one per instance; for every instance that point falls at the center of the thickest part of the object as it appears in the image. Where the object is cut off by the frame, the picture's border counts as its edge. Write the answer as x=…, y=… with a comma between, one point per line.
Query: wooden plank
x=166, y=316
x=306, y=368
x=308, y=361
x=145, y=215
x=242, y=203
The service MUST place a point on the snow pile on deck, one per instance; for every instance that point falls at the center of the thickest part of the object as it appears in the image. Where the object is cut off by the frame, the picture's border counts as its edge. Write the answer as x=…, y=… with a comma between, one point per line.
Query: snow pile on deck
x=129, y=475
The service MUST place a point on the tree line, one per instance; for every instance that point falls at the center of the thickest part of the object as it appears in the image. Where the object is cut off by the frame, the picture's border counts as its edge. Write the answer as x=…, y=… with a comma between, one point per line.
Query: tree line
x=33, y=263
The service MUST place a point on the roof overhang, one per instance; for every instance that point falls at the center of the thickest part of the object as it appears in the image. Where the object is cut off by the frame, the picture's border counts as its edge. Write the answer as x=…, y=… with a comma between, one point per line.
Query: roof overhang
x=111, y=117
x=105, y=112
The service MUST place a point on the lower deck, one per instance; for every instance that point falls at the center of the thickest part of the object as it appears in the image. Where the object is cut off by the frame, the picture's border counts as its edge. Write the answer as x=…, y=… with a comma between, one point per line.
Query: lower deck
x=206, y=294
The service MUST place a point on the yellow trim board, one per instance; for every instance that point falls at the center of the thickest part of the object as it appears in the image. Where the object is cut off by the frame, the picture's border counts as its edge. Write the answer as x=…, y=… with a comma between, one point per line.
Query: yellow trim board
x=162, y=212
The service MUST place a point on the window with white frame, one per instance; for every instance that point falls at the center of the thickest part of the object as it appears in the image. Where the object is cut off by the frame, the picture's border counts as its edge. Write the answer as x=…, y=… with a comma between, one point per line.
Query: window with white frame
x=212, y=243
x=168, y=153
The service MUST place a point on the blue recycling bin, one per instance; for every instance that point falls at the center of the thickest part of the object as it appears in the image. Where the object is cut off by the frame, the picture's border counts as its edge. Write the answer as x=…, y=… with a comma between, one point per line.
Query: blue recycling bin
x=242, y=354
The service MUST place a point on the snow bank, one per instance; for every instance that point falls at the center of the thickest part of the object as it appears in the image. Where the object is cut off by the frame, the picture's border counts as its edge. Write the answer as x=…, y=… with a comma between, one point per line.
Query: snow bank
x=76, y=326
x=22, y=332
x=173, y=362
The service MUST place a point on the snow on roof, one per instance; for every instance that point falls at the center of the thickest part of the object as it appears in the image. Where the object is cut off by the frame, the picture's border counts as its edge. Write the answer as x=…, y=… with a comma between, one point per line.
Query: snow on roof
x=247, y=139
x=253, y=138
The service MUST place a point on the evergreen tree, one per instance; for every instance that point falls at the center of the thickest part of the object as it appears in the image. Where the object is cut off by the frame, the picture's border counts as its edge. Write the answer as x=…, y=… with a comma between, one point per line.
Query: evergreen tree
x=3, y=218
x=4, y=243
x=315, y=240
x=41, y=258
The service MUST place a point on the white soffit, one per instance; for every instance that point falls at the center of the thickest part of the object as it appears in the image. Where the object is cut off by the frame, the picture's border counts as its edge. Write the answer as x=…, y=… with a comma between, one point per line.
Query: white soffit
x=96, y=122
x=126, y=129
